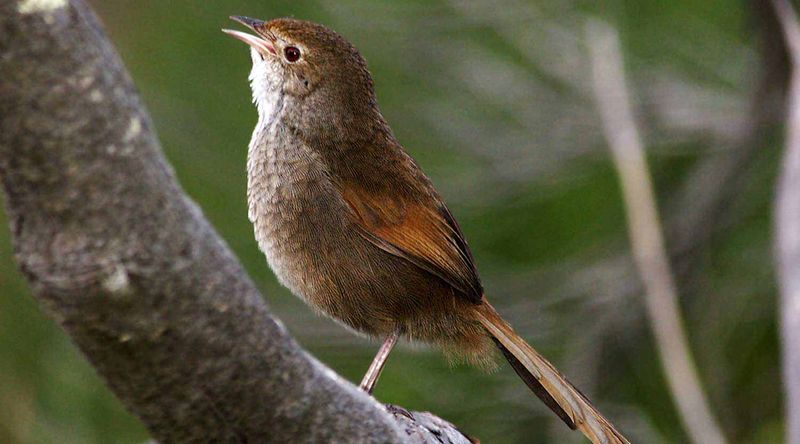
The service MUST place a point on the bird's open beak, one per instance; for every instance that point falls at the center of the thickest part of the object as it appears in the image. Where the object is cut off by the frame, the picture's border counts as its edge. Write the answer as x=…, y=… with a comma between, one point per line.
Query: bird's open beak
x=262, y=45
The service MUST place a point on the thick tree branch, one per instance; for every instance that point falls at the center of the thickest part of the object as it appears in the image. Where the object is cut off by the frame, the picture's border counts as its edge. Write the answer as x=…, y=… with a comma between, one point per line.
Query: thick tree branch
x=128, y=266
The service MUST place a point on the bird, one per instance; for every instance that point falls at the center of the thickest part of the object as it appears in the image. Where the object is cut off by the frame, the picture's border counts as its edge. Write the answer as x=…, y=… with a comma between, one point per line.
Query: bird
x=351, y=224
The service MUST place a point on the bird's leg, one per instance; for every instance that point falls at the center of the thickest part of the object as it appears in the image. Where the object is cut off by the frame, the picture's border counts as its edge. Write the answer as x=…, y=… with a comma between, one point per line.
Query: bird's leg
x=371, y=377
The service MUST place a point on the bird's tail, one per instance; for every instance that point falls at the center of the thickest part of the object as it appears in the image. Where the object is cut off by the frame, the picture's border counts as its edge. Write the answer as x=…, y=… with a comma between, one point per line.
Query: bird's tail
x=547, y=382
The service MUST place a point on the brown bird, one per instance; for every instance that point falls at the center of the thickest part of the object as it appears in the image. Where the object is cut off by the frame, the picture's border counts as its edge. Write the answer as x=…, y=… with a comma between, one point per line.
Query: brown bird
x=350, y=223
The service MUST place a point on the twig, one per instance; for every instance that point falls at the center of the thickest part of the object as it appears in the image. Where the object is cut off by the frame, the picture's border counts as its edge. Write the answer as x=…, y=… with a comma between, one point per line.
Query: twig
x=787, y=228
x=645, y=234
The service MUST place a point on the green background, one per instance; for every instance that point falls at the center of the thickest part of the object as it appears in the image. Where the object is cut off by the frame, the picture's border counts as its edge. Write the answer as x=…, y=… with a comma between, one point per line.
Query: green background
x=494, y=102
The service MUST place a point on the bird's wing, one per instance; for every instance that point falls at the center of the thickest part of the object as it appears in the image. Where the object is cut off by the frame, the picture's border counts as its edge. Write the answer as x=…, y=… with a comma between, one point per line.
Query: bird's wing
x=419, y=229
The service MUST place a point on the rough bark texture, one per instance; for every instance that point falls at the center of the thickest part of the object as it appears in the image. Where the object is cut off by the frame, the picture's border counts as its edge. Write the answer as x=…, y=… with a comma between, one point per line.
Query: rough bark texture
x=128, y=266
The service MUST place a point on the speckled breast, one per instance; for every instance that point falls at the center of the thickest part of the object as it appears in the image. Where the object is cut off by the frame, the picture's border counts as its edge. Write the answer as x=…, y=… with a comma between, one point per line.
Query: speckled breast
x=289, y=198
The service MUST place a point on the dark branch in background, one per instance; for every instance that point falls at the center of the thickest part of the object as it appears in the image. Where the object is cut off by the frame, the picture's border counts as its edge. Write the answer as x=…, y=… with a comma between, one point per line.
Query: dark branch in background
x=721, y=176
x=787, y=228
x=128, y=266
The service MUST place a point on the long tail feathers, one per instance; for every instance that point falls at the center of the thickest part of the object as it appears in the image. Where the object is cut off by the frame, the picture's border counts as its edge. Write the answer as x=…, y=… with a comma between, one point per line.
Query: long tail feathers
x=548, y=383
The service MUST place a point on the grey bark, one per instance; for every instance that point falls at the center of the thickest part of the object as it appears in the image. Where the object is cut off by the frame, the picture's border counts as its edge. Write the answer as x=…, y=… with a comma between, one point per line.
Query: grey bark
x=127, y=265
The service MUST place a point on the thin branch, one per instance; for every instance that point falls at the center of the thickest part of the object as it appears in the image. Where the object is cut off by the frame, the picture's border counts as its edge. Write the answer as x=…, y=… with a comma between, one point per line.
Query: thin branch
x=646, y=238
x=117, y=254
x=787, y=228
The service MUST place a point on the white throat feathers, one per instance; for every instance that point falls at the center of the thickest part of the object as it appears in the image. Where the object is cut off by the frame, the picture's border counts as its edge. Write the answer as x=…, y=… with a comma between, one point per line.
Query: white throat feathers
x=265, y=81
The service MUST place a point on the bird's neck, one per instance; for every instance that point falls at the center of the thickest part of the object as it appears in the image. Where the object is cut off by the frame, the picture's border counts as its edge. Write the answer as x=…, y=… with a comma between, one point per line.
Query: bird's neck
x=311, y=135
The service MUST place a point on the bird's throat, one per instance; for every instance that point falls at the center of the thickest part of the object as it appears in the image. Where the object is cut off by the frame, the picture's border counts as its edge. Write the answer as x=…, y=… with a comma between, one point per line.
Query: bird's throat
x=265, y=82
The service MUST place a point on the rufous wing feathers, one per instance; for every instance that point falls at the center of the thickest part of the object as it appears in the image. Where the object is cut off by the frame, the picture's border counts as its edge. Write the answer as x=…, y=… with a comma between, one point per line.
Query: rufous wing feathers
x=424, y=233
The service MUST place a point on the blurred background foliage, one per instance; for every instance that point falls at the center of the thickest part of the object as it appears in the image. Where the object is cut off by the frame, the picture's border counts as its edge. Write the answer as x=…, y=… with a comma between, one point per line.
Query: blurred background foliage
x=493, y=100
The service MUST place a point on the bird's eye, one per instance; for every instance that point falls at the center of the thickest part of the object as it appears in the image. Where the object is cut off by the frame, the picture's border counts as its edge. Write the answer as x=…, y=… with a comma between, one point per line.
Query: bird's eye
x=292, y=53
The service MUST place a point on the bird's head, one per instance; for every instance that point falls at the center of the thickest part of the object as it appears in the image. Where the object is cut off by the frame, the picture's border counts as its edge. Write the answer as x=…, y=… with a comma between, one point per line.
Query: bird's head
x=308, y=68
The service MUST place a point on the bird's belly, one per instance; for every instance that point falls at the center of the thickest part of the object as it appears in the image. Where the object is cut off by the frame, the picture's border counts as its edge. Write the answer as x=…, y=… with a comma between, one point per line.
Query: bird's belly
x=282, y=262
x=289, y=198
x=315, y=251
x=289, y=237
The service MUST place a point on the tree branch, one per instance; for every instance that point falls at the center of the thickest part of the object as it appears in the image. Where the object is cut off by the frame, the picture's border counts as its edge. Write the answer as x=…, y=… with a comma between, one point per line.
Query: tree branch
x=787, y=228
x=661, y=298
x=720, y=174
x=128, y=266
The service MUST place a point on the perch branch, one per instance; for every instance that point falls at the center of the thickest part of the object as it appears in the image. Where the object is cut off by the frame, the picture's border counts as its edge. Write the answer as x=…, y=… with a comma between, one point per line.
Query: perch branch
x=118, y=255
